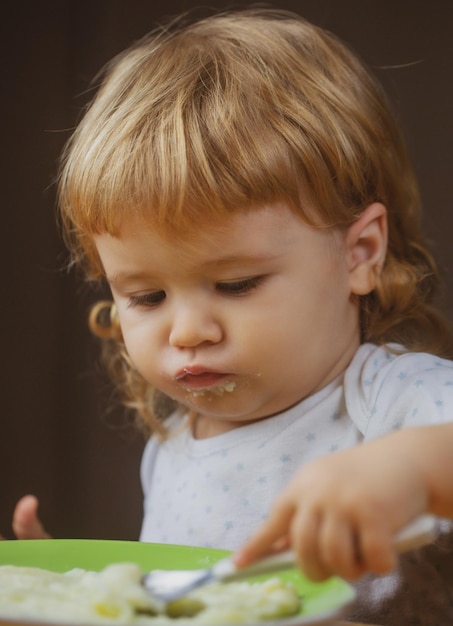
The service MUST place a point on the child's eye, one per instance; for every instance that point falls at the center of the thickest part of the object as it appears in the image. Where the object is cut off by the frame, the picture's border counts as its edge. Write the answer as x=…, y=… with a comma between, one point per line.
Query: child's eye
x=239, y=287
x=149, y=300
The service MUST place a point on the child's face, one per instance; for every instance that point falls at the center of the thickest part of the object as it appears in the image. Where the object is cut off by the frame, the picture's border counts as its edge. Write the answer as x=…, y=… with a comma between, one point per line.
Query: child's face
x=237, y=322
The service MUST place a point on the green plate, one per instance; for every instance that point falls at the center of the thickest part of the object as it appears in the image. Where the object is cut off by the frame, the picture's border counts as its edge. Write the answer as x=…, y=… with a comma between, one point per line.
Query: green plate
x=323, y=603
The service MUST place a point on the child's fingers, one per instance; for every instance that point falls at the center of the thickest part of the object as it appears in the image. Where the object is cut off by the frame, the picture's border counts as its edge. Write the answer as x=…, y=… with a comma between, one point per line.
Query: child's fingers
x=305, y=537
x=274, y=531
x=338, y=548
x=26, y=524
x=325, y=546
x=376, y=547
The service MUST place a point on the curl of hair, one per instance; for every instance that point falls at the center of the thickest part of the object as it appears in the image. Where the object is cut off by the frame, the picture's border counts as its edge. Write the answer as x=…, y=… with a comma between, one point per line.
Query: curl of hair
x=402, y=309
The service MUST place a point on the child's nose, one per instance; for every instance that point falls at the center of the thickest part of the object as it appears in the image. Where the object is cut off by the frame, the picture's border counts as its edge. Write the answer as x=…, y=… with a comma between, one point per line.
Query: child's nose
x=192, y=326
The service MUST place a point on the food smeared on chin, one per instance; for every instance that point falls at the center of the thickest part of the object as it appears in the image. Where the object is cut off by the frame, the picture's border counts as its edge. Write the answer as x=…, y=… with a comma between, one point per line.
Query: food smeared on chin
x=116, y=596
x=217, y=390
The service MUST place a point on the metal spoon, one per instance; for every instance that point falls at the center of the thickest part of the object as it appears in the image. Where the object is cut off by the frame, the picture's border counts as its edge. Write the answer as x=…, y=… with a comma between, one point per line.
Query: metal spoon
x=167, y=585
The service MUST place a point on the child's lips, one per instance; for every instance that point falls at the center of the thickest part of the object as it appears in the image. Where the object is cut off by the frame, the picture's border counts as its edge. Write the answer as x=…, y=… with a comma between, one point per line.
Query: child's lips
x=196, y=378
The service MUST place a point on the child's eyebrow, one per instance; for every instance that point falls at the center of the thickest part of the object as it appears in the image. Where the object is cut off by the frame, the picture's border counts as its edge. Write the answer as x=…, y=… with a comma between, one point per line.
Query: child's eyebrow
x=119, y=277
x=217, y=263
x=236, y=259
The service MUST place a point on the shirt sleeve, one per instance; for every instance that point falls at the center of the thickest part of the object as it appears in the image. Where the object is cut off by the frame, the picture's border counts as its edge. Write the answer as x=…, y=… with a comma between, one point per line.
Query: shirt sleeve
x=386, y=390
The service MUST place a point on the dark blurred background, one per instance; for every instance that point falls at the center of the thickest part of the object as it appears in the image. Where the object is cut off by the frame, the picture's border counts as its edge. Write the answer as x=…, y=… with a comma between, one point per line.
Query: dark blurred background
x=59, y=436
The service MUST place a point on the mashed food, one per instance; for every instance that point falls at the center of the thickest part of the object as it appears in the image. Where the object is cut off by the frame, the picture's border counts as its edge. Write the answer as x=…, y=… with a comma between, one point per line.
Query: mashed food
x=115, y=596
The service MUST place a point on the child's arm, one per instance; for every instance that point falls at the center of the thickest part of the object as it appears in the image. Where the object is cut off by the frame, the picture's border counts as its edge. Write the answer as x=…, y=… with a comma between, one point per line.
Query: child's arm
x=26, y=523
x=340, y=513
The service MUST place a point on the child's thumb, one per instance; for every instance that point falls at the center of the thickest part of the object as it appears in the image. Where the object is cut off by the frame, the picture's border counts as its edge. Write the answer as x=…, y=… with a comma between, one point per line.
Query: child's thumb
x=26, y=523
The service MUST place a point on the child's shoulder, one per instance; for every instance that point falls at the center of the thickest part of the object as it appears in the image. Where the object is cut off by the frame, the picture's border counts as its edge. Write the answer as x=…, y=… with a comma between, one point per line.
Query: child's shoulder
x=387, y=388
x=372, y=362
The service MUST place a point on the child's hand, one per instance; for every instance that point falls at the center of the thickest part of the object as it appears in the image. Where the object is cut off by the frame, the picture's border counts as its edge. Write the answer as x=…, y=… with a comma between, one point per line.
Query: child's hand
x=26, y=523
x=340, y=513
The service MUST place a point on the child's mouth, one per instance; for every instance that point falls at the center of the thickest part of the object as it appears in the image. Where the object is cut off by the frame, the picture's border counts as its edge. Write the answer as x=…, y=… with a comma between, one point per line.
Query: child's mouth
x=203, y=380
x=195, y=379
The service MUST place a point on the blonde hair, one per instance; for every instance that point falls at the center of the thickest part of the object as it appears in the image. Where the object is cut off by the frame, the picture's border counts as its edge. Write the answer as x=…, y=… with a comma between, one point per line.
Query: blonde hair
x=235, y=110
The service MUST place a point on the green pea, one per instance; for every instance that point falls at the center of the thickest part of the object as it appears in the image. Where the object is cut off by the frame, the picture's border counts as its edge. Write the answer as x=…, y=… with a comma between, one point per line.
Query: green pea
x=184, y=607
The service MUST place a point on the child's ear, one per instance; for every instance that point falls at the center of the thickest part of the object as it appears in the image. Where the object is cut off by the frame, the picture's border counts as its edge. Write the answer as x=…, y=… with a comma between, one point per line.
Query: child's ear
x=366, y=245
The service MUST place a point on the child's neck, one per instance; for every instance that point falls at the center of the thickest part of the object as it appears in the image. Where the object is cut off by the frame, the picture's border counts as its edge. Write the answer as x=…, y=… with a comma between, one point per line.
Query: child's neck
x=204, y=427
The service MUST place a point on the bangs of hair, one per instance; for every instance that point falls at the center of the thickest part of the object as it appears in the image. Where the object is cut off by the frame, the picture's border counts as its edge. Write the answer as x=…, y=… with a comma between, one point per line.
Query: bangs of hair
x=223, y=115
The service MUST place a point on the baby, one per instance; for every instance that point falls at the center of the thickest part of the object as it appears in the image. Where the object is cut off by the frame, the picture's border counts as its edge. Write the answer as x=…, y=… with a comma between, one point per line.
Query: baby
x=241, y=185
